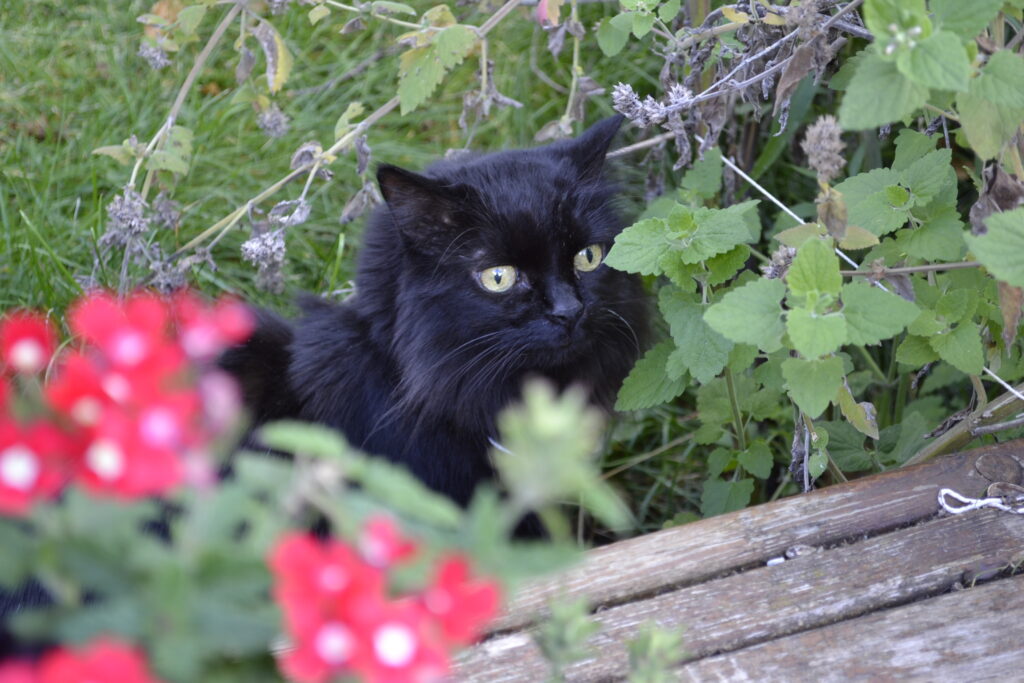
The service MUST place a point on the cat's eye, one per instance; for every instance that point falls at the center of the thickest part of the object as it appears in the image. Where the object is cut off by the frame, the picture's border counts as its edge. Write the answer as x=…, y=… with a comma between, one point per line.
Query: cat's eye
x=589, y=258
x=498, y=278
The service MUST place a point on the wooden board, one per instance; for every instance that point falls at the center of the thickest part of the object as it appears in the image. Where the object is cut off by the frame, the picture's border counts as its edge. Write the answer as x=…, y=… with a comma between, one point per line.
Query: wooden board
x=879, y=545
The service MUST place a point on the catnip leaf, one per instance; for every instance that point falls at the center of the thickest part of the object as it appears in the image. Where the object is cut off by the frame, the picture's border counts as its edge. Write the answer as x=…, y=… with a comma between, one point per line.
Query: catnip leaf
x=642, y=24
x=930, y=175
x=668, y=11
x=915, y=351
x=966, y=19
x=879, y=94
x=717, y=231
x=704, y=179
x=939, y=61
x=163, y=160
x=610, y=37
x=941, y=238
x=812, y=384
x=720, y=496
x=279, y=60
x=861, y=415
x=1001, y=80
x=869, y=206
x=1001, y=248
x=702, y=351
x=911, y=145
x=815, y=269
x=318, y=13
x=751, y=314
x=640, y=247
x=814, y=334
x=987, y=125
x=873, y=315
x=724, y=266
x=817, y=463
x=757, y=459
x=961, y=347
x=845, y=446
x=648, y=385
x=453, y=44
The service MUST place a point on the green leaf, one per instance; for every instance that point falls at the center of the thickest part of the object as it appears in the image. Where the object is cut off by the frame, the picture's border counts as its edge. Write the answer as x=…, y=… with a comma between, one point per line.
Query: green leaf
x=815, y=269
x=292, y=436
x=279, y=60
x=1001, y=80
x=344, y=123
x=421, y=69
x=812, y=384
x=916, y=351
x=813, y=334
x=961, y=347
x=911, y=146
x=966, y=19
x=717, y=231
x=720, y=460
x=868, y=204
x=642, y=24
x=930, y=175
x=757, y=459
x=704, y=179
x=385, y=7
x=668, y=10
x=318, y=13
x=751, y=314
x=873, y=315
x=846, y=446
x=862, y=416
x=453, y=44
x=640, y=247
x=1001, y=248
x=720, y=496
x=702, y=351
x=987, y=125
x=941, y=238
x=817, y=463
x=648, y=385
x=122, y=153
x=610, y=38
x=879, y=94
x=189, y=18
x=724, y=266
x=164, y=160
x=884, y=17
x=939, y=61
x=795, y=237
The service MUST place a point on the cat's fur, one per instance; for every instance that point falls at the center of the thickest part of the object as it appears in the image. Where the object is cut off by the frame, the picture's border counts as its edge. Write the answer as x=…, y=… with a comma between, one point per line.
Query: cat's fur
x=416, y=365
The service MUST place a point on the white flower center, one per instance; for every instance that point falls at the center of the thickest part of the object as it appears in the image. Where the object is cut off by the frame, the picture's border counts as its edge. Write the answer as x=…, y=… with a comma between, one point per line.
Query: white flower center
x=19, y=467
x=334, y=643
x=129, y=348
x=27, y=355
x=333, y=578
x=158, y=427
x=394, y=645
x=117, y=387
x=105, y=458
x=86, y=410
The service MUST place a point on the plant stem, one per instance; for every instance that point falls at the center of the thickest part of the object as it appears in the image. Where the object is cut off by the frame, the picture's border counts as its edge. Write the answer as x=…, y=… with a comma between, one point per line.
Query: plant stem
x=574, y=85
x=870, y=360
x=737, y=418
x=882, y=272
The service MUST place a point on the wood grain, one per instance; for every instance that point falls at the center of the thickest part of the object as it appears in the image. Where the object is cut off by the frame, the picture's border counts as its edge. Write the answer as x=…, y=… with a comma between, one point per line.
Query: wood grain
x=962, y=636
x=762, y=604
x=696, y=552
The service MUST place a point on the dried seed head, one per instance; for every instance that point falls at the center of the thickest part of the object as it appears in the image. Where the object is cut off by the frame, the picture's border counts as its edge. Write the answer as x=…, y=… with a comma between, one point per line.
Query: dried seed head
x=278, y=6
x=679, y=96
x=166, y=211
x=823, y=148
x=266, y=251
x=273, y=122
x=156, y=57
x=127, y=218
x=782, y=258
x=625, y=101
x=289, y=213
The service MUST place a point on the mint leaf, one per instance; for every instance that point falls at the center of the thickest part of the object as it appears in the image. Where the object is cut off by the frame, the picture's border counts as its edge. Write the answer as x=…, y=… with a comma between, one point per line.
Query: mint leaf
x=815, y=269
x=930, y=175
x=647, y=384
x=724, y=266
x=873, y=315
x=703, y=351
x=1001, y=249
x=961, y=347
x=915, y=352
x=757, y=459
x=941, y=238
x=751, y=314
x=911, y=146
x=812, y=384
x=640, y=247
x=717, y=231
x=868, y=204
x=611, y=38
x=720, y=496
x=813, y=334
x=939, y=61
x=879, y=94
x=966, y=19
x=1001, y=80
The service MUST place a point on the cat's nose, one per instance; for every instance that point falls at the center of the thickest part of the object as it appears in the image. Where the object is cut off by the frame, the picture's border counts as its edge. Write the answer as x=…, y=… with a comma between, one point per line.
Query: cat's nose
x=565, y=305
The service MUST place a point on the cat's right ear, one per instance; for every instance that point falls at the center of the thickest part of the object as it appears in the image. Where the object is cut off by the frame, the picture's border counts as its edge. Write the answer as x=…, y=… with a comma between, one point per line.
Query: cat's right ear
x=424, y=209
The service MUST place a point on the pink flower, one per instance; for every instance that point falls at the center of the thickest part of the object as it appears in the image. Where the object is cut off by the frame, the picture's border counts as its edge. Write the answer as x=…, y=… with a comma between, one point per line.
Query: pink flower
x=27, y=341
x=402, y=648
x=103, y=661
x=205, y=331
x=382, y=545
x=33, y=462
x=18, y=671
x=461, y=606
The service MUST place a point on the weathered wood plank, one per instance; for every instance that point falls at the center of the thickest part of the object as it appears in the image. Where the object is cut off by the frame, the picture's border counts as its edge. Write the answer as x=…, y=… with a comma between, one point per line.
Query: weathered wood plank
x=963, y=636
x=696, y=552
x=761, y=604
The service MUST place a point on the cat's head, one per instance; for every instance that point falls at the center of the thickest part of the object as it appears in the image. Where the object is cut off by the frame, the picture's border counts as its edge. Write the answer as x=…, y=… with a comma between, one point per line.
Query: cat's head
x=496, y=271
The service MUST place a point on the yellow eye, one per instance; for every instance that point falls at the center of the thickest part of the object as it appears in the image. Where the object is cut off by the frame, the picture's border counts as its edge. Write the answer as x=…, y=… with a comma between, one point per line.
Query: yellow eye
x=498, y=278
x=588, y=259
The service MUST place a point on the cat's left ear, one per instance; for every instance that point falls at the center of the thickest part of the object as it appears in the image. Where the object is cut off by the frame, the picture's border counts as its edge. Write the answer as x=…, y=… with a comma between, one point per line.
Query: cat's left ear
x=589, y=149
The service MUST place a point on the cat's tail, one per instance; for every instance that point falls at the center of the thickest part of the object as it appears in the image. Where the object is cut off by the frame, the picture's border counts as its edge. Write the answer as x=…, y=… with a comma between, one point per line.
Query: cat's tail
x=261, y=366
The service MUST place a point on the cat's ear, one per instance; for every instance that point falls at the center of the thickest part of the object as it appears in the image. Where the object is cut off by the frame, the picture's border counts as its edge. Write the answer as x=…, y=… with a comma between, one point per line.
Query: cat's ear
x=424, y=209
x=589, y=149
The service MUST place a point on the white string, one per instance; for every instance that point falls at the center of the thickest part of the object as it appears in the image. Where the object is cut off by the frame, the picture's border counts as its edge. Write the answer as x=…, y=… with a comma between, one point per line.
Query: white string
x=968, y=504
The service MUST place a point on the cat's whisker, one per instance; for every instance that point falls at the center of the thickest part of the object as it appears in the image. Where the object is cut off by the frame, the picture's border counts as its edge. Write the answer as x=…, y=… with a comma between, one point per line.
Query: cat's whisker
x=632, y=332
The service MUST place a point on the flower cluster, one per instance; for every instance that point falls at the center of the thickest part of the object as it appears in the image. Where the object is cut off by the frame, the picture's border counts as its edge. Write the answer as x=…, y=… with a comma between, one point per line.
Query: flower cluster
x=102, y=660
x=126, y=414
x=341, y=619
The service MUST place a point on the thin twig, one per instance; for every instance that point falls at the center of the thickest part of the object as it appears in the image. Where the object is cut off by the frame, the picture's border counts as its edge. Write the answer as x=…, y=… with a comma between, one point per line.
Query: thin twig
x=643, y=144
x=882, y=272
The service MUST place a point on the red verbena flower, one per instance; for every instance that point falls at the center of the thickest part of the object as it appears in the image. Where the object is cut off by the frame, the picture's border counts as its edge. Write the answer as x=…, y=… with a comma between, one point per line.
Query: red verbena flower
x=381, y=543
x=402, y=646
x=18, y=671
x=129, y=333
x=103, y=661
x=206, y=331
x=27, y=341
x=460, y=606
x=32, y=463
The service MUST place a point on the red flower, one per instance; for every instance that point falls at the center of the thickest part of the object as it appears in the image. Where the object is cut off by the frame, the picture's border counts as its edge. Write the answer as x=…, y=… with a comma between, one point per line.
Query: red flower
x=461, y=606
x=103, y=661
x=18, y=671
x=32, y=463
x=381, y=543
x=27, y=341
x=204, y=331
x=130, y=333
x=401, y=647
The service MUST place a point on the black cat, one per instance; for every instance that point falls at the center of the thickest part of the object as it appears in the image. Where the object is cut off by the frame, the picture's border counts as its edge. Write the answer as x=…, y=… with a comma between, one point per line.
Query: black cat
x=473, y=276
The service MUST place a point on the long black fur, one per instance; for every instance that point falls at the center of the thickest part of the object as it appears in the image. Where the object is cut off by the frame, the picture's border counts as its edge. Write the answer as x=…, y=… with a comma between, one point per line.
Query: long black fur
x=416, y=366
